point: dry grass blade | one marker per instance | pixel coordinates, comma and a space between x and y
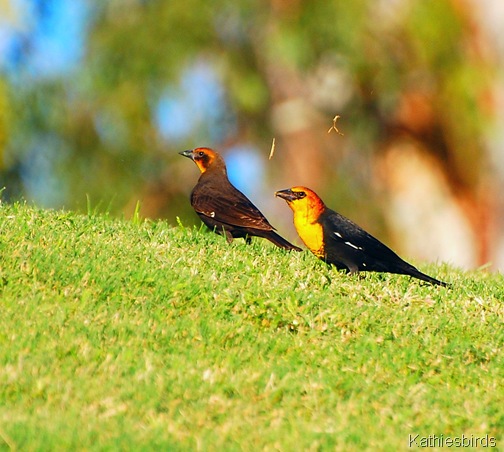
333, 127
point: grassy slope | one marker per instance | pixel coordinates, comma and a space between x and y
128, 335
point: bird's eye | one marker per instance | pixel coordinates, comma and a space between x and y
201, 153
301, 194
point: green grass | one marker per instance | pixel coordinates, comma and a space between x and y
136, 335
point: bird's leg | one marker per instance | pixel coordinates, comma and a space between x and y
353, 269
358, 275
248, 240
228, 235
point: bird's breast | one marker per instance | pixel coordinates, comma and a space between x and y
311, 233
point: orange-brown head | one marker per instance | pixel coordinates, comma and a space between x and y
205, 158
307, 208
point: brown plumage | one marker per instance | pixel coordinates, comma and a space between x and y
222, 207
339, 241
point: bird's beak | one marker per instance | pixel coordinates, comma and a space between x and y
287, 194
189, 153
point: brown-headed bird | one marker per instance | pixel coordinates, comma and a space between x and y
339, 241
222, 207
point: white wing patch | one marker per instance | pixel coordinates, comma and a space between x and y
212, 214
337, 234
353, 246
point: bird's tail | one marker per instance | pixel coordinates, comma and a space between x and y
279, 241
412, 271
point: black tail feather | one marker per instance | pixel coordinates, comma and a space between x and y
412, 271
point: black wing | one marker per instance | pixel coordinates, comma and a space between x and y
348, 244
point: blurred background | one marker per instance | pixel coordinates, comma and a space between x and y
97, 97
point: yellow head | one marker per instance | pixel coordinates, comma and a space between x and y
307, 208
305, 203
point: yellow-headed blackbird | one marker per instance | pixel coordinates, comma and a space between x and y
339, 241
222, 207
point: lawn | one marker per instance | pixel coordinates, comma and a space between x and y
137, 335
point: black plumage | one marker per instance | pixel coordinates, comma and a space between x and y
349, 247
339, 241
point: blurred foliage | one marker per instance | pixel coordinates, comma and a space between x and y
4, 120
412, 65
